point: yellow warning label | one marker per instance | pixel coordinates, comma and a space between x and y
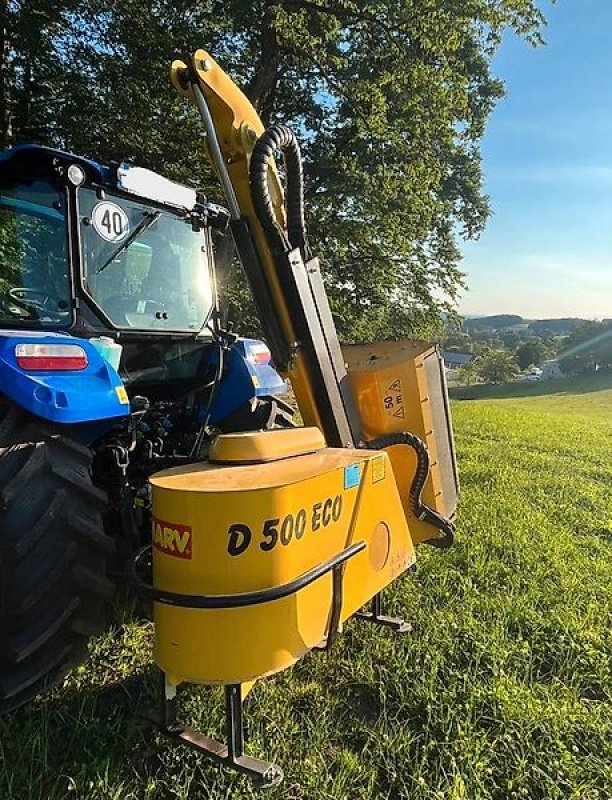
121, 394
256, 382
378, 469
393, 400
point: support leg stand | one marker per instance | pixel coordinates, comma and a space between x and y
231, 755
376, 616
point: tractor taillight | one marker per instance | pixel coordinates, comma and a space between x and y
51, 357
259, 354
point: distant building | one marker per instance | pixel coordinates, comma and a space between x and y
534, 374
454, 361
552, 369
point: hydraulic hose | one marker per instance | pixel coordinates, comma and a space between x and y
421, 511
201, 435
280, 138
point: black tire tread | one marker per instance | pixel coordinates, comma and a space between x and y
54, 552
264, 413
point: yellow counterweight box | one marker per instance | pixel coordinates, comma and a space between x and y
246, 532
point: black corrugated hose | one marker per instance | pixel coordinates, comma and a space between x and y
202, 433
421, 511
280, 138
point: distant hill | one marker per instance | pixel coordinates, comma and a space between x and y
496, 322
555, 327
538, 327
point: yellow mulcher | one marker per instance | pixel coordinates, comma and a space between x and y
262, 552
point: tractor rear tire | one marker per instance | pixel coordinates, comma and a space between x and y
54, 588
262, 413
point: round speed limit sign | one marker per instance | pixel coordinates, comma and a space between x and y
110, 222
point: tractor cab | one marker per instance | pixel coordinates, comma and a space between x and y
119, 251
131, 246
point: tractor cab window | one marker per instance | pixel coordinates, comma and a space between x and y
145, 267
34, 281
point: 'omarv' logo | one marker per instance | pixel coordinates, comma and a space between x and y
172, 539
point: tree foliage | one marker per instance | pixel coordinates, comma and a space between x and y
390, 99
588, 348
531, 353
497, 366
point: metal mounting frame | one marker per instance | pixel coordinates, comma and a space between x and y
230, 753
376, 617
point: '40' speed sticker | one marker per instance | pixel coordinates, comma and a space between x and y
110, 222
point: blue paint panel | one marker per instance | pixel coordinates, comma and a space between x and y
245, 380
101, 172
268, 381
67, 397
352, 476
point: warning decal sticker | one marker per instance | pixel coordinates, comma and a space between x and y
378, 469
352, 476
122, 395
394, 400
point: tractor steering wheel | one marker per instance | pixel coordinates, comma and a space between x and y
34, 301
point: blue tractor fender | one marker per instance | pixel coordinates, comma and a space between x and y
248, 374
91, 393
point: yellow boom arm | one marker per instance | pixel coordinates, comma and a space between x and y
233, 127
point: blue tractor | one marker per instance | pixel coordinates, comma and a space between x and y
113, 364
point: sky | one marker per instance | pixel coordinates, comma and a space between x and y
547, 161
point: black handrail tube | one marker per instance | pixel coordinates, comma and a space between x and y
236, 600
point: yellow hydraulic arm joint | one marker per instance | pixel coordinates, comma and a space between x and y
233, 127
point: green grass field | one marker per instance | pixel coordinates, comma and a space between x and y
504, 690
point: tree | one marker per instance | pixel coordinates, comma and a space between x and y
469, 373
531, 353
390, 100
497, 366
511, 338
458, 341
588, 348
